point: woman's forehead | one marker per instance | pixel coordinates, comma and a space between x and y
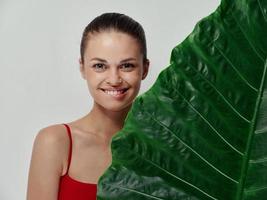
109, 36
113, 45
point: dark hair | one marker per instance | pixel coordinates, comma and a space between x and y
118, 22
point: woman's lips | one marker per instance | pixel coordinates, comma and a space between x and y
118, 93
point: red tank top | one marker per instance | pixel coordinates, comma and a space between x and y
71, 189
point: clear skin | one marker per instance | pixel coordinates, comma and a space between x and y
92, 133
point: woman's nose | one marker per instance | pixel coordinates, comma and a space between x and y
114, 78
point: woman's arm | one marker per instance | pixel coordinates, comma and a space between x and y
46, 164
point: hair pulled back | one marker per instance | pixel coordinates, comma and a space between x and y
118, 22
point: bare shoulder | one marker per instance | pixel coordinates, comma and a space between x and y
51, 135
49, 152
51, 143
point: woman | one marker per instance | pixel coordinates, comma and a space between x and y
69, 158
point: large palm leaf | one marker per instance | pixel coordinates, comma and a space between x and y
200, 132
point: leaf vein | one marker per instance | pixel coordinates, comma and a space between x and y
264, 16
194, 151
249, 42
210, 125
245, 163
260, 160
224, 99
263, 130
132, 190
256, 189
176, 177
235, 69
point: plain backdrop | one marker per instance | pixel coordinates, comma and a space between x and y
40, 82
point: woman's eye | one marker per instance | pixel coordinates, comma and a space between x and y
99, 67
127, 66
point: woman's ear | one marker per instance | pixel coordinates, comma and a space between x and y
82, 70
145, 69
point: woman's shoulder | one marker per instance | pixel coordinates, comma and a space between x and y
52, 138
55, 133
47, 161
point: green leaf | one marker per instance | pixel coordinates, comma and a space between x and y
200, 132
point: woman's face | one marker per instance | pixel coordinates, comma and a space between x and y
113, 68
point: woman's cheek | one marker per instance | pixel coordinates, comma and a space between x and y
134, 78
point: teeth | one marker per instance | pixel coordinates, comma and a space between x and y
113, 92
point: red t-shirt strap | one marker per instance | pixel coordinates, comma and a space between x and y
70, 149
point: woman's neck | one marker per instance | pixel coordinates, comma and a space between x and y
106, 123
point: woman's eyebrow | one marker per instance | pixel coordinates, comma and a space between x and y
103, 60
127, 59
99, 59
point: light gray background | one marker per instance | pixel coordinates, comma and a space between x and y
40, 82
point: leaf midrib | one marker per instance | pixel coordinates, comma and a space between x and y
244, 170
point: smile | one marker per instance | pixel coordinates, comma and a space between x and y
115, 92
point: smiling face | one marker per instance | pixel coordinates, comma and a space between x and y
113, 68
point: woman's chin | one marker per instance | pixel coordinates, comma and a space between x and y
118, 108
114, 105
